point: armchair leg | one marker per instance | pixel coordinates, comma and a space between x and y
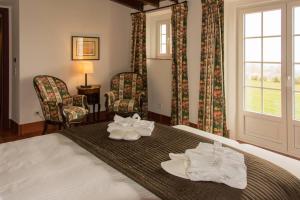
45, 128
59, 126
107, 115
65, 125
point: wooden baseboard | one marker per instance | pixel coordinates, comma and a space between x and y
34, 127
193, 125
159, 118
14, 126
164, 119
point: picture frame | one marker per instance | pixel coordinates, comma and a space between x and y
85, 48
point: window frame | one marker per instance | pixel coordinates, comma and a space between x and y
168, 54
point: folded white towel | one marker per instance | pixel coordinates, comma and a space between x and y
116, 135
121, 135
144, 131
130, 128
210, 163
114, 126
131, 136
143, 127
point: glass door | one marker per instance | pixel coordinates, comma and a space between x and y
262, 77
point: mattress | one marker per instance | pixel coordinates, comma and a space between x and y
53, 167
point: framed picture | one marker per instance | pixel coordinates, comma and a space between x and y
85, 48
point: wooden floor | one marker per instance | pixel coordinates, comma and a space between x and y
9, 136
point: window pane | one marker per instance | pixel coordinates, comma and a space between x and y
272, 76
297, 49
164, 39
253, 25
272, 49
163, 49
272, 102
297, 106
269, 27
253, 74
253, 50
164, 29
297, 77
297, 20
253, 99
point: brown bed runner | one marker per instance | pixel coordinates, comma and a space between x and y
140, 160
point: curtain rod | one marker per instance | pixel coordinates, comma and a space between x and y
160, 8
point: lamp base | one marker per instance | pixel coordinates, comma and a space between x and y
85, 86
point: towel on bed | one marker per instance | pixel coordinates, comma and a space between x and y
130, 128
210, 162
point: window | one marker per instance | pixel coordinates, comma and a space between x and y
164, 47
262, 62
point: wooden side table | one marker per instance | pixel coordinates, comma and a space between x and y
93, 97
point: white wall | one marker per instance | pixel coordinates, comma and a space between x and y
194, 55
46, 27
160, 71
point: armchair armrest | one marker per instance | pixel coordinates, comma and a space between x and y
80, 101
110, 98
53, 111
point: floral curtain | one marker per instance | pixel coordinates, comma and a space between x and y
180, 88
212, 113
138, 51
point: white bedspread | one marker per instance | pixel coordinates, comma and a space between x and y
52, 167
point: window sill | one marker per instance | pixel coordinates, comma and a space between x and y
159, 59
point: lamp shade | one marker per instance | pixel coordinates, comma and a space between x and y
87, 67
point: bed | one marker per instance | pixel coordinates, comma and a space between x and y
59, 166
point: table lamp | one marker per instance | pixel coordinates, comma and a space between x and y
87, 68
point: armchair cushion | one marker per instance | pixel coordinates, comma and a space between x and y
74, 113
125, 106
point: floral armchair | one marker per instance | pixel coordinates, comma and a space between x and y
58, 106
126, 96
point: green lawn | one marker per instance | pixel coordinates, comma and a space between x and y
271, 99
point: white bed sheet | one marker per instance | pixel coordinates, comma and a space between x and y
52, 167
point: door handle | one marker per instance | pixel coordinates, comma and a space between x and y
289, 82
